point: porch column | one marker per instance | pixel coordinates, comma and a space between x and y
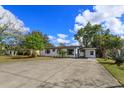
76, 52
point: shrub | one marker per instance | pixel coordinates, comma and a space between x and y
62, 53
118, 56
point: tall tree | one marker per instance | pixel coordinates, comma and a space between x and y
86, 35
47, 42
11, 28
36, 40
102, 39
107, 42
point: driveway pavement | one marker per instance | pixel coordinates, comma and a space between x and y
55, 73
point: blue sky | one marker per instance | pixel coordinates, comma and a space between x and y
57, 21
48, 19
51, 20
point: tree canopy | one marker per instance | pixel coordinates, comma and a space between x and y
86, 35
97, 36
36, 40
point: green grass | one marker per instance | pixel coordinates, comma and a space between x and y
116, 71
22, 58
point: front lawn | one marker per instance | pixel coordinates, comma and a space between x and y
116, 71
22, 58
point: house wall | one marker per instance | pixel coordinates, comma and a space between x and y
55, 53
11, 52
81, 54
52, 53
75, 54
87, 53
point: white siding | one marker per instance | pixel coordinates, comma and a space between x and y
81, 54
88, 55
52, 53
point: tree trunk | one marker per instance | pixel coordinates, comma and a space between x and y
31, 53
12, 53
34, 53
15, 53
103, 51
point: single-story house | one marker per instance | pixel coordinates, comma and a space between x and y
71, 51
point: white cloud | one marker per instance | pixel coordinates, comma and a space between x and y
14, 24
110, 11
51, 37
75, 44
77, 27
114, 25
56, 40
71, 31
60, 40
80, 20
122, 37
62, 36
108, 16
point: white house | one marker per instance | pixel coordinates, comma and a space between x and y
71, 51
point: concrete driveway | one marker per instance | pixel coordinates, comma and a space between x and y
55, 73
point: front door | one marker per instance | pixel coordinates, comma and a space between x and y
81, 53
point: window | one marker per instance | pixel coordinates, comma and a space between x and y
53, 50
70, 51
91, 52
58, 50
47, 51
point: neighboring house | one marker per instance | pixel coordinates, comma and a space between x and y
71, 51
11, 52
